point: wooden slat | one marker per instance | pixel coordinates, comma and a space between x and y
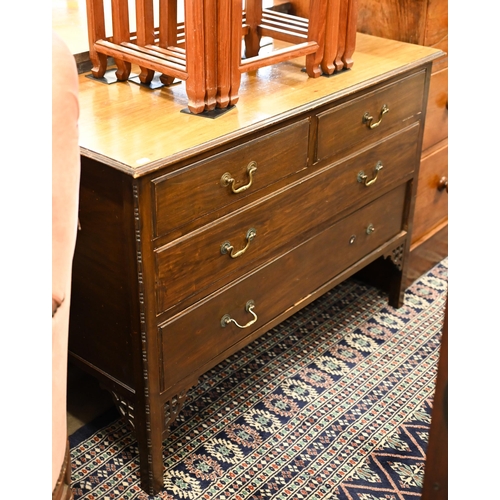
316, 33
121, 33
145, 33
158, 53
286, 19
331, 37
168, 29
279, 55
283, 35
290, 17
195, 40
173, 55
210, 53
132, 56
283, 26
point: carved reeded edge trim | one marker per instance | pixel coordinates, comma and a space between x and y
142, 319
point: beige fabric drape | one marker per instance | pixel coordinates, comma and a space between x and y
65, 185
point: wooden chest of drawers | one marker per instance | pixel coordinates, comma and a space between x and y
199, 235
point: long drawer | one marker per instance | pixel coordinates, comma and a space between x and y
204, 331
264, 230
344, 128
208, 186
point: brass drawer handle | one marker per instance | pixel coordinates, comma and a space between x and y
368, 118
363, 178
226, 247
227, 179
370, 229
249, 306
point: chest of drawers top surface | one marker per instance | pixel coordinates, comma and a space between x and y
138, 130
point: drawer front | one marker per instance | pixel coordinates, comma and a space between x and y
343, 128
197, 190
192, 339
431, 204
189, 265
436, 120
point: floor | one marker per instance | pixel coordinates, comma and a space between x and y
86, 399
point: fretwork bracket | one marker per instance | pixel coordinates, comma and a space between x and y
125, 407
396, 255
172, 408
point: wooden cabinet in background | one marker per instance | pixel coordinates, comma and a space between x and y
422, 22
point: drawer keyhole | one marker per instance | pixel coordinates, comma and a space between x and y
370, 229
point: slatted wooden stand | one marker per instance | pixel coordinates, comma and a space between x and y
306, 36
205, 51
162, 50
327, 37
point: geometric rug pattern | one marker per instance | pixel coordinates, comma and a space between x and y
334, 403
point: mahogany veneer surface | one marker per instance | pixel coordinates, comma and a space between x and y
175, 269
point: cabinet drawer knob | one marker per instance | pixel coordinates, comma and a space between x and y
249, 307
226, 247
368, 118
370, 229
227, 179
363, 178
443, 184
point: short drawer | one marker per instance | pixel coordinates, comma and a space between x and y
431, 204
344, 128
205, 187
191, 340
189, 265
436, 120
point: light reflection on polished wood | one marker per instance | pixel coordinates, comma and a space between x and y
112, 116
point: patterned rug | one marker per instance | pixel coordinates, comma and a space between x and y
334, 403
